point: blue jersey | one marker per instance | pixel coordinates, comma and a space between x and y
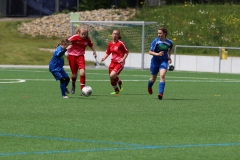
57, 61
157, 45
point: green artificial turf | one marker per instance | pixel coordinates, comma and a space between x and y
198, 117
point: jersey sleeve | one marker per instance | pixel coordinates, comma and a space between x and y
153, 45
108, 48
58, 50
74, 38
124, 48
171, 45
90, 44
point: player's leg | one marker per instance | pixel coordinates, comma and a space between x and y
74, 69
58, 76
67, 79
112, 76
154, 71
161, 85
63, 87
82, 78
81, 66
118, 69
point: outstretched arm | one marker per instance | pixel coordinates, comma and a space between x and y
105, 57
94, 52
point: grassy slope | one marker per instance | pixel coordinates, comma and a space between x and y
199, 25
23, 49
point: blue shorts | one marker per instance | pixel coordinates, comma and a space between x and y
59, 74
155, 68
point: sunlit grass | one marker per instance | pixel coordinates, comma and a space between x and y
198, 25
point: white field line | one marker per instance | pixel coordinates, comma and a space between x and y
94, 80
168, 78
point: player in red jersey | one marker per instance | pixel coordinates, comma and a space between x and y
119, 54
76, 51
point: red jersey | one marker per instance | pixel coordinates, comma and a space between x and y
78, 45
117, 49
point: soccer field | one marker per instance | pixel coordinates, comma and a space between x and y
198, 118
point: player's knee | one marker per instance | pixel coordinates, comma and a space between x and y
74, 75
62, 80
67, 79
152, 79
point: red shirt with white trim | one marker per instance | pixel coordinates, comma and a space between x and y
78, 45
118, 49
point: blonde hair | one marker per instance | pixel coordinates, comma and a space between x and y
82, 29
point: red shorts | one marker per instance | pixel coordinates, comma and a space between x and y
114, 66
76, 63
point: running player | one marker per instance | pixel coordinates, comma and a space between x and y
161, 49
76, 51
119, 53
56, 67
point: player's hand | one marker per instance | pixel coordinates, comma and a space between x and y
161, 53
169, 60
102, 59
94, 54
121, 61
68, 47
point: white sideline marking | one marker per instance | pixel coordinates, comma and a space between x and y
12, 80
168, 78
133, 80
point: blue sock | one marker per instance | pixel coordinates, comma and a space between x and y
63, 89
150, 84
161, 86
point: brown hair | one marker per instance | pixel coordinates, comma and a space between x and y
119, 36
164, 30
64, 41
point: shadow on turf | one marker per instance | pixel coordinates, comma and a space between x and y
179, 99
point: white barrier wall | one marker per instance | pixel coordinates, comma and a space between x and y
183, 62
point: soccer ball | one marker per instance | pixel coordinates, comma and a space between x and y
87, 91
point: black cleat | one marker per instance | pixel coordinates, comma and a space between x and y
160, 96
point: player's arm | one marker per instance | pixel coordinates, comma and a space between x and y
125, 50
161, 53
94, 52
61, 53
169, 55
152, 49
124, 57
108, 52
105, 57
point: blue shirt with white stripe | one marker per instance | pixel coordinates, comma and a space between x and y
158, 45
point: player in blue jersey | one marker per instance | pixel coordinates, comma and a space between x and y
161, 49
56, 67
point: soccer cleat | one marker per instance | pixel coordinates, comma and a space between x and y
150, 90
121, 87
114, 92
67, 91
73, 89
160, 96
64, 96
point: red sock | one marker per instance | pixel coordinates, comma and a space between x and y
82, 81
117, 79
115, 87
73, 80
